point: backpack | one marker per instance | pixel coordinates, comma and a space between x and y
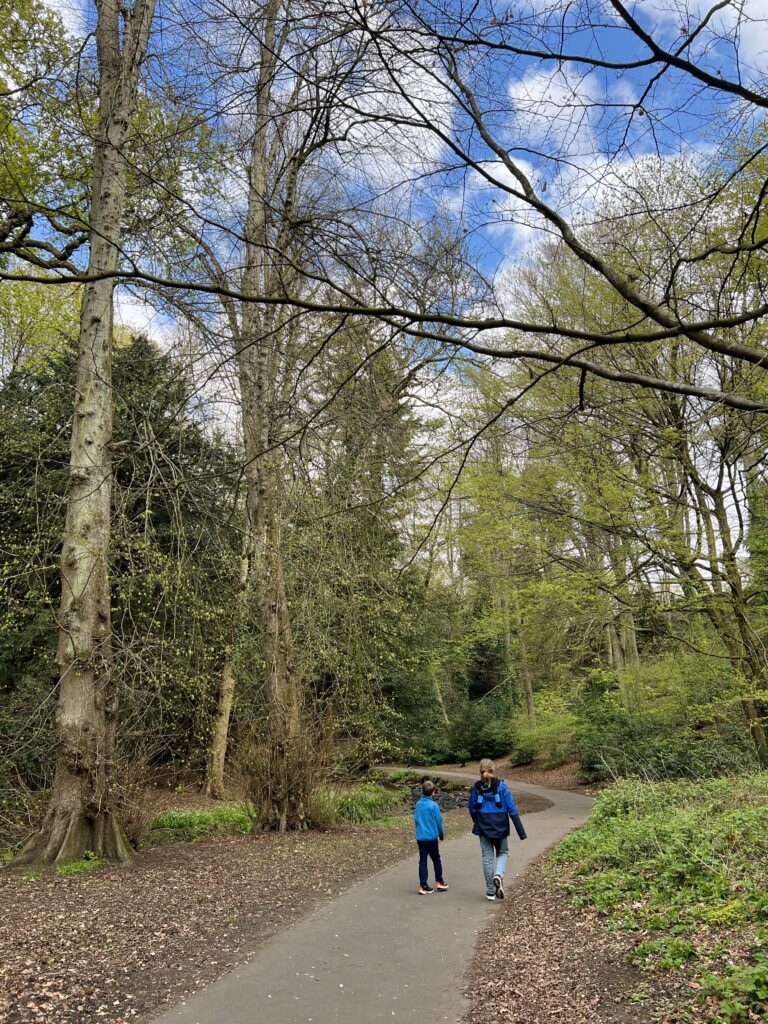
480, 799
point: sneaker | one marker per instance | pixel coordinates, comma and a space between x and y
425, 890
441, 886
490, 896
498, 886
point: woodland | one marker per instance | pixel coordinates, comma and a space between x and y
379, 382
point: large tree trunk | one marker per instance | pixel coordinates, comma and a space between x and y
262, 362
80, 815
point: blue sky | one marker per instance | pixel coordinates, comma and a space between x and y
574, 131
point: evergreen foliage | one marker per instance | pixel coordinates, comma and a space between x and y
172, 562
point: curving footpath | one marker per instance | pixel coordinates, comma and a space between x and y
379, 952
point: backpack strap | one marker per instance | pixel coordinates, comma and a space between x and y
479, 798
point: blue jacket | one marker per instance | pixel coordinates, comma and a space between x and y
491, 808
429, 820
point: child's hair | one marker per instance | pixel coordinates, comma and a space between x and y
486, 765
427, 787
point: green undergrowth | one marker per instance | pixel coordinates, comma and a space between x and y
684, 865
328, 806
335, 805
192, 824
88, 862
457, 823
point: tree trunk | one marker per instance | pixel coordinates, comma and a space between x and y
624, 631
217, 753
726, 607
80, 816
261, 368
617, 652
523, 664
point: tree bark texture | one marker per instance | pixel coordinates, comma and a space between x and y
263, 362
80, 816
524, 666
217, 753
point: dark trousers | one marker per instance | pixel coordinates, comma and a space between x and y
429, 848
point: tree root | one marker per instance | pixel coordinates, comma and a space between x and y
65, 836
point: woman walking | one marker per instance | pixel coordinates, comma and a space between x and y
491, 806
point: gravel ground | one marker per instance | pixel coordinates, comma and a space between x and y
117, 945
541, 962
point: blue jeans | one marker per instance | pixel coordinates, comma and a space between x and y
489, 847
429, 848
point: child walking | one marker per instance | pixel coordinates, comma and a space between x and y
429, 832
491, 806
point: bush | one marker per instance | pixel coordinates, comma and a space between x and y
479, 729
616, 743
667, 720
279, 774
551, 737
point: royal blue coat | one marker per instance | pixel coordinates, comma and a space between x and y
428, 819
491, 808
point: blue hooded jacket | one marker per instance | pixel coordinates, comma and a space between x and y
491, 808
429, 820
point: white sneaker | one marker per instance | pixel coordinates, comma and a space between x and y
498, 886
490, 896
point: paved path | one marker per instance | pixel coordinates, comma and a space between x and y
379, 952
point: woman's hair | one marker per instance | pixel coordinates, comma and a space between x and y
427, 787
486, 765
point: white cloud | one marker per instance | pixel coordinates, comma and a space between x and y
744, 25
554, 109
138, 316
381, 142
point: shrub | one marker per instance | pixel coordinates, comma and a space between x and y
132, 791
278, 773
550, 737
666, 720
479, 729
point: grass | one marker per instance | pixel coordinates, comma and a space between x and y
192, 824
76, 867
356, 805
685, 865
328, 806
